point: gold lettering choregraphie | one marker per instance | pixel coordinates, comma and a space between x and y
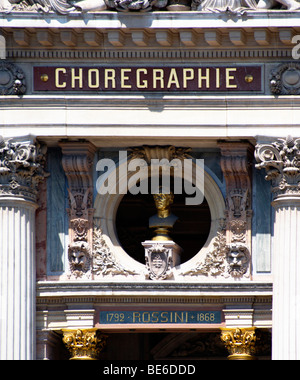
110, 78
93, 78
229, 77
147, 78
58, 82
125, 78
139, 82
77, 77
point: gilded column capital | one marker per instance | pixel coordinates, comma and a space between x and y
84, 344
240, 342
21, 168
281, 160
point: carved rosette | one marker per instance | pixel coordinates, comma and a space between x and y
12, 79
21, 168
281, 160
240, 342
85, 344
77, 163
285, 79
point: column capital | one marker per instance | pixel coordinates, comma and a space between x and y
281, 160
85, 344
21, 168
240, 342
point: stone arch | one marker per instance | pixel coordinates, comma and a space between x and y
106, 206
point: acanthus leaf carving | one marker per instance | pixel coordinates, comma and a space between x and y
281, 160
104, 261
21, 168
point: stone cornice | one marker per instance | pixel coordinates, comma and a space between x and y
150, 36
161, 289
152, 20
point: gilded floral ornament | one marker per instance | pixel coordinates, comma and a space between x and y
240, 342
85, 344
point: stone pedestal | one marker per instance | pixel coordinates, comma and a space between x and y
20, 173
281, 161
161, 257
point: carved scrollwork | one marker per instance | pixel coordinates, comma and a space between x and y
21, 168
104, 261
281, 160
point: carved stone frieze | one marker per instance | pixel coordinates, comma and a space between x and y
12, 79
21, 168
77, 163
281, 160
169, 153
66, 6
84, 344
104, 261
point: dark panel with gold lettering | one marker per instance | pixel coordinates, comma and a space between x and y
155, 317
171, 79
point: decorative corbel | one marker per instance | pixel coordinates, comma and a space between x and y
236, 162
77, 163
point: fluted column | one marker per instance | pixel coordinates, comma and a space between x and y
281, 159
20, 172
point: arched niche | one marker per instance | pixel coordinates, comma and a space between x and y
106, 207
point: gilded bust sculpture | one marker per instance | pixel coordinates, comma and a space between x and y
164, 220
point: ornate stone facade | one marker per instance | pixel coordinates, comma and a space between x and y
281, 160
21, 168
77, 163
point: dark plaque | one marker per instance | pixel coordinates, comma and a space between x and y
160, 317
232, 78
